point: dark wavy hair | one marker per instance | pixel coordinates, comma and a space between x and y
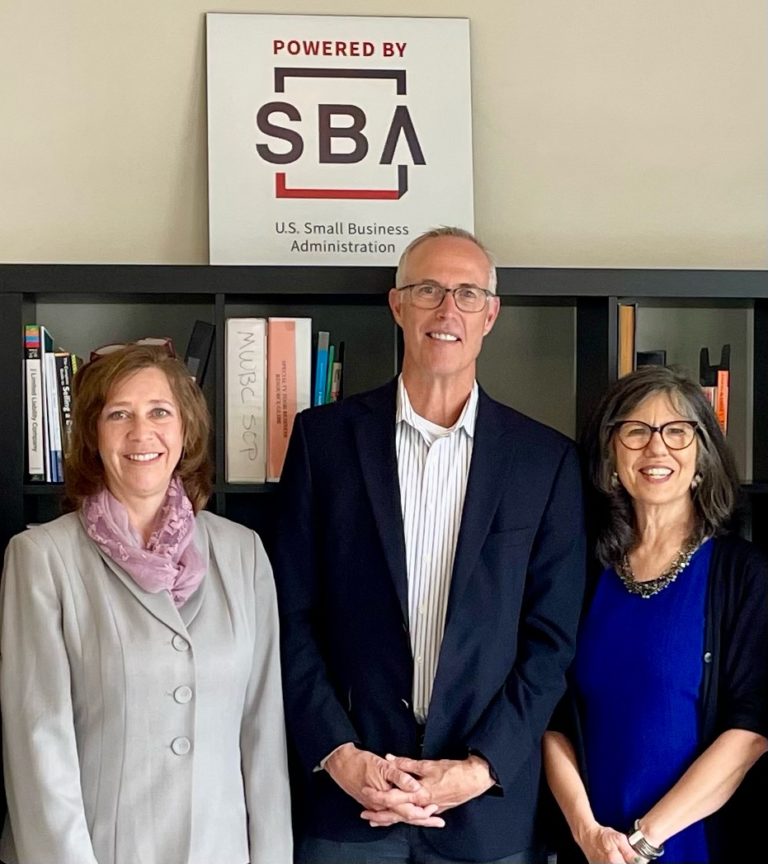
714, 498
83, 469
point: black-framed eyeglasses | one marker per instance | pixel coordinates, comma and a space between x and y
429, 295
164, 342
636, 435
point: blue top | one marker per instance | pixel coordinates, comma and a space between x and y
638, 674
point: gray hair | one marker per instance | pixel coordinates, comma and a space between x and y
715, 496
445, 231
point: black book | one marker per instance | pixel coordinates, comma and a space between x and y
199, 350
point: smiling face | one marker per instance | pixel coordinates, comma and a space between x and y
443, 342
140, 437
656, 475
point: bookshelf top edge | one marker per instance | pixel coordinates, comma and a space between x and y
201, 279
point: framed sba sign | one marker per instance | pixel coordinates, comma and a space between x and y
335, 140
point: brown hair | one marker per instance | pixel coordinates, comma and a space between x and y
83, 468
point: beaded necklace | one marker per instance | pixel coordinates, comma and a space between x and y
653, 586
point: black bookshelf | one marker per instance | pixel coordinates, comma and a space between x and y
173, 296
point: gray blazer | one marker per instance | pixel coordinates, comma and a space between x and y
133, 732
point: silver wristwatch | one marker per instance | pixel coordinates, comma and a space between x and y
639, 842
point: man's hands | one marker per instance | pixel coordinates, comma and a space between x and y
366, 776
443, 784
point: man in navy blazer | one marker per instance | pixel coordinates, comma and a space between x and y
418, 683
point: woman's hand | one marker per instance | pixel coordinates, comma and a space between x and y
599, 843
603, 845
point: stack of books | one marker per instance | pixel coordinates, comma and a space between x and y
269, 379
48, 391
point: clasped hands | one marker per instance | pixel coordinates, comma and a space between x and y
399, 789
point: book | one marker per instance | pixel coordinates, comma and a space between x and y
721, 398
54, 472
65, 372
321, 367
199, 350
245, 399
35, 403
626, 340
337, 374
329, 374
289, 372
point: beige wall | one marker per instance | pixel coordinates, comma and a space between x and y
607, 132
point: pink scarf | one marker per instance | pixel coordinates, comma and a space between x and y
169, 562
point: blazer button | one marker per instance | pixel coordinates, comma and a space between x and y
179, 643
181, 746
182, 694
708, 657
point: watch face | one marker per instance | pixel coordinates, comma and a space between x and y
637, 839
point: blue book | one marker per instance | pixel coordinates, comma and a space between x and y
329, 375
321, 367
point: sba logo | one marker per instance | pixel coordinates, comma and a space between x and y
401, 125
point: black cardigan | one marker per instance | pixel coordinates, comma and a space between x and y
734, 695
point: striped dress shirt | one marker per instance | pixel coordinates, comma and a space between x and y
432, 466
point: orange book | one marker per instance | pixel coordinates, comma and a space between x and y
626, 342
721, 398
289, 374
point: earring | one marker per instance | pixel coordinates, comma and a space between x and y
697, 478
615, 480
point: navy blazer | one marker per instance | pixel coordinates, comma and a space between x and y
513, 610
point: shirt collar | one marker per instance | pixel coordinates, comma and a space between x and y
405, 413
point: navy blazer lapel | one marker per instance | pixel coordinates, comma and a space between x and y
374, 431
492, 453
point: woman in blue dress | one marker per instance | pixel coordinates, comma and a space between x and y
668, 704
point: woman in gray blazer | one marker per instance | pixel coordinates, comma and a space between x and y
140, 679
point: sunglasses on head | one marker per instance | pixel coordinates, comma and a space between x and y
157, 341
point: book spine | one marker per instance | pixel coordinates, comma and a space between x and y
35, 403
303, 366
721, 398
626, 346
64, 376
52, 413
46, 346
245, 374
321, 367
329, 375
337, 374
289, 374
199, 350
